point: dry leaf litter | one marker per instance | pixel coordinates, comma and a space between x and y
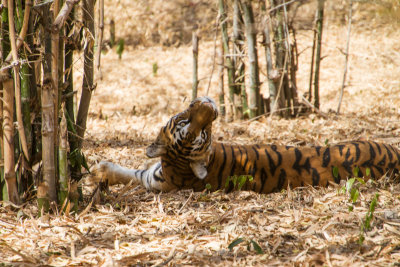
300, 227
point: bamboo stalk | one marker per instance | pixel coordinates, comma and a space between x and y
320, 19
47, 188
5, 49
112, 33
24, 29
11, 192
55, 34
8, 141
26, 178
270, 70
238, 40
3, 187
255, 105
221, 93
17, 84
228, 60
195, 82
100, 39
312, 58
88, 86
346, 56
63, 161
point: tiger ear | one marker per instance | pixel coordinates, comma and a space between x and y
199, 168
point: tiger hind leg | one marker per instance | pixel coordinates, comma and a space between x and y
151, 178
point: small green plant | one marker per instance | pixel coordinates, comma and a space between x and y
120, 48
352, 187
366, 225
208, 187
249, 242
155, 69
238, 181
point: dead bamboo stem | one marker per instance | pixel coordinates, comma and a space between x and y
346, 56
63, 14
17, 84
254, 93
320, 19
195, 82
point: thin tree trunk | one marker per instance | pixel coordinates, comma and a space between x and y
8, 115
17, 84
3, 187
346, 56
26, 179
112, 33
100, 39
69, 77
270, 70
255, 103
312, 57
320, 19
47, 188
63, 161
55, 34
221, 93
228, 61
239, 65
281, 58
87, 87
8, 140
5, 76
195, 81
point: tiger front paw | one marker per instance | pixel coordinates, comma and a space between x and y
102, 172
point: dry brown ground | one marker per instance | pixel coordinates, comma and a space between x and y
305, 226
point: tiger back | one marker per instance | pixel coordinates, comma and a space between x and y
190, 160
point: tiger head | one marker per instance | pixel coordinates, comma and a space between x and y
188, 135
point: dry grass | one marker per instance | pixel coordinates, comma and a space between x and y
303, 227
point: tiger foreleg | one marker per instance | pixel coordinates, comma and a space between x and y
151, 178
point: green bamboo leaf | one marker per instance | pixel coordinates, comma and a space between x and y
120, 48
227, 182
241, 181
349, 184
354, 194
335, 172
235, 242
361, 180
155, 69
368, 172
356, 170
257, 247
208, 186
374, 202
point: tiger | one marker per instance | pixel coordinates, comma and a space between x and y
191, 160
